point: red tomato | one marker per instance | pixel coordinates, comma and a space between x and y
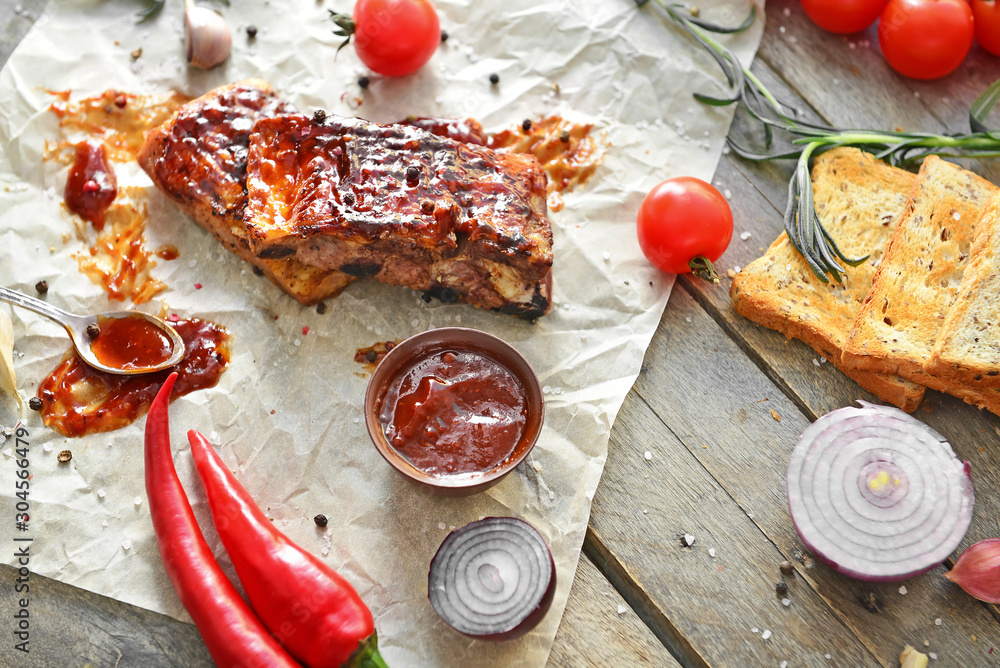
395, 37
683, 218
843, 16
926, 39
987, 15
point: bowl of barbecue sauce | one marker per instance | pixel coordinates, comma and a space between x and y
454, 409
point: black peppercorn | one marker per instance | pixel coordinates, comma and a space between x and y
427, 206
781, 589
494, 78
364, 82
564, 136
412, 173
786, 568
93, 330
251, 31
321, 308
444, 37
371, 356
258, 271
348, 198
64, 456
319, 116
41, 287
320, 520
35, 404
526, 125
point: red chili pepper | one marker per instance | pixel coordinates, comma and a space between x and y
232, 633
312, 610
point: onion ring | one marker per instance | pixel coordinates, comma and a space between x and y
493, 579
876, 494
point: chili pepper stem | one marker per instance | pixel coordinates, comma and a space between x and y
702, 267
367, 655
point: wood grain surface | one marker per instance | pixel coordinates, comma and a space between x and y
718, 406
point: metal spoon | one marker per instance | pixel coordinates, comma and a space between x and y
76, 327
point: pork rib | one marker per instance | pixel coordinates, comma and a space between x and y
198, 158
458, 221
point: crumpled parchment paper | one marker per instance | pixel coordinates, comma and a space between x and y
287, 415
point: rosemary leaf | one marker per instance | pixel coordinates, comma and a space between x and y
982, 106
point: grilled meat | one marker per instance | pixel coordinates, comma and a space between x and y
458, 221
198, 158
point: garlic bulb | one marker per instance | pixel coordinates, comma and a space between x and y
207, 37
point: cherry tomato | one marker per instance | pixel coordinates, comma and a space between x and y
395, 37
843, 16
987, 13
926, 39
681, 219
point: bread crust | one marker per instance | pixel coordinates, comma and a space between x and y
860, 200
919, 277
967, 351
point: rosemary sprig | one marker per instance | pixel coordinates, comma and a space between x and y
807, 139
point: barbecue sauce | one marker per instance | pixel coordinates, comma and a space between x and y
78, 399
455, 412
130, 343
92, 185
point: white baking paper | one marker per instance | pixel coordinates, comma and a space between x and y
287, 415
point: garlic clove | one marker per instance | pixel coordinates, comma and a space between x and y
207, 36
977, 571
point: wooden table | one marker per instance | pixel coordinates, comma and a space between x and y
719, 405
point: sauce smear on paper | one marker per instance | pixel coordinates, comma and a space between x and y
91, 186
77, 399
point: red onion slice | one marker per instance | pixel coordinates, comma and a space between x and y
493, 579
878, 495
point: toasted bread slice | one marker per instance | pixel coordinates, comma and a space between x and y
198, 159
920, 275
967, 351
859, 200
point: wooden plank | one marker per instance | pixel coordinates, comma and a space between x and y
717, 404
706, 608
71, 626
598, 628
68, 624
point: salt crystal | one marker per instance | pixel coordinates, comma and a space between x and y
621, 609
297, 343
711, 552
737, 269
537, 466
765, 635
645, 512
827, 657
127, 544
552, 495
745, 235
956, 216
192, 264
938, 621
688, 539
606, 256
357, 420
750, 515
47, 447
836, 81
786, 12
442, 526
754, 629
137, 501
648, 455
786, 602
793, 39
822, 360
9, 452
788, 267
728, 193
104, 524
784, 664
933, 656
726, 150
902, 590
688, 319
815, 362
100, 493
782, 30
